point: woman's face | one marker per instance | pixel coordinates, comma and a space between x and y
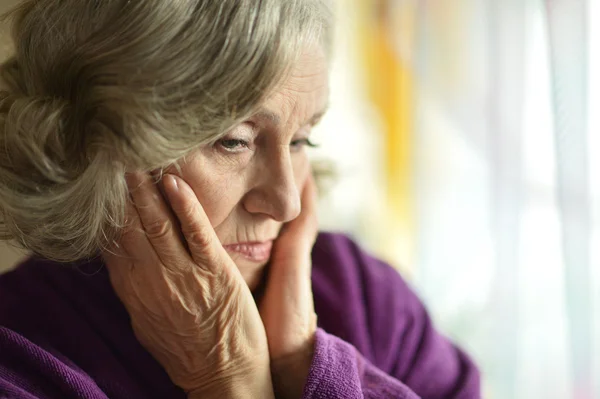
250, 181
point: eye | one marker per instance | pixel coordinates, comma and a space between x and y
232, 145
297, 145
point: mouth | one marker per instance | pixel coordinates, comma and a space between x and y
253, 251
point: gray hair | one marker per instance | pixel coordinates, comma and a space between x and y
96, 88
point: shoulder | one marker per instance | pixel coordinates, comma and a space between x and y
62, 327
366, 303
38, 286
360, 298
339, 258
23, 291
33, 317
48, 302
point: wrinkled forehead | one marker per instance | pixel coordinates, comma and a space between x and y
303, 96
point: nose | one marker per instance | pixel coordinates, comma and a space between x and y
275, 193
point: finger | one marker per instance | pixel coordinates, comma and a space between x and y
310, 197
122, 255
131, 236
292, 250
157, 221
202, 241
287, 307
119, 272
304, 228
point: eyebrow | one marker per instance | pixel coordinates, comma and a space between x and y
272, 117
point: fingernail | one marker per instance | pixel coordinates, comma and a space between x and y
174, 182
171, 187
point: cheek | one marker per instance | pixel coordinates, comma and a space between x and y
219, 192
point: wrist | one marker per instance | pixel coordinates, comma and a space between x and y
289, 374
256, 384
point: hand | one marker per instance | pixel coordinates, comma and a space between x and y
287, 308
189, 305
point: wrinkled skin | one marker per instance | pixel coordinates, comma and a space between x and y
189, 298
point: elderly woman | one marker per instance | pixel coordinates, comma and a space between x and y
153, 158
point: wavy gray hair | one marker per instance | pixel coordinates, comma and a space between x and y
99, 87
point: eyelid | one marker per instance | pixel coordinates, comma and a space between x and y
238, 133
243, 134
306, 141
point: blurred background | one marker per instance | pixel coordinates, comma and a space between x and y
468, 140
466, 136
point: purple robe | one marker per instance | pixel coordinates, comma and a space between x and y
65, 334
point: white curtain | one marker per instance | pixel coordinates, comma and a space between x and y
508, 188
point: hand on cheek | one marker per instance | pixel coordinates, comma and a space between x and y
188, 304
287, 308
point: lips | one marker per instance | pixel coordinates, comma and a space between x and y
253, 251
